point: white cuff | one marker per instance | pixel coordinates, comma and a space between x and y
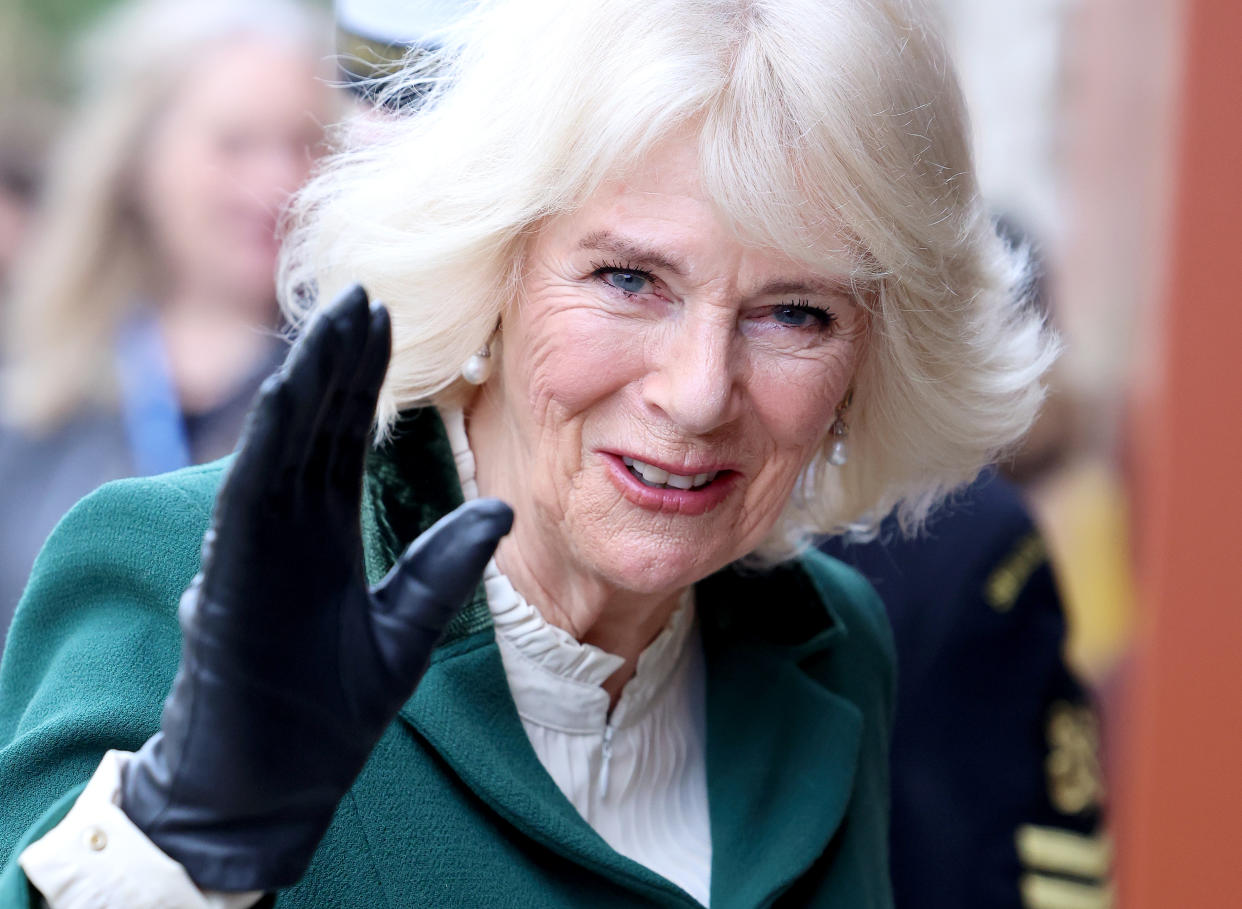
96, 858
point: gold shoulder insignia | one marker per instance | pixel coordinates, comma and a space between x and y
1064, 852
1007, 580
1075, 779
1039, 891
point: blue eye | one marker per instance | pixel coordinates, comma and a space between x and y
631, 282
803, 315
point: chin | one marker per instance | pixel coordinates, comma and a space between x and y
652, 566
636, 549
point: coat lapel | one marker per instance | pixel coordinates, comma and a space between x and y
782, 750
465, 712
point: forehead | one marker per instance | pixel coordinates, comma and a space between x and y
662, 195
249, 78
661, 205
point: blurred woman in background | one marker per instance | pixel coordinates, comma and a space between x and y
144, 316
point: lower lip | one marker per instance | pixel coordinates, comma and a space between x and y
689, 502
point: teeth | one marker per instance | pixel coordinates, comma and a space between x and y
653, 475
656, 476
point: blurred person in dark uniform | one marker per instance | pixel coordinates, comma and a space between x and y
144, 315
997, 790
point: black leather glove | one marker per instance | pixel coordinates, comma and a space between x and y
291, 668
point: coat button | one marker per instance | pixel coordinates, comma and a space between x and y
95, 839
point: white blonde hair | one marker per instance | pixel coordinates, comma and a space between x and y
831, 130
91, 260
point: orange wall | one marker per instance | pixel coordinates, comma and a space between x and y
1180, 814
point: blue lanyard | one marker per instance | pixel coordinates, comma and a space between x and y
149, 406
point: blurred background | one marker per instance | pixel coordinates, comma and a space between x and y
148, 153
1107, 136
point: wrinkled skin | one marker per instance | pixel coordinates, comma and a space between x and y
646, 327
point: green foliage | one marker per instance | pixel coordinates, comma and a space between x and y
62, 19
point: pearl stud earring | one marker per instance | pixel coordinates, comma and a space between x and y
478, 368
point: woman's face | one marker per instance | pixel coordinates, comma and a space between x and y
654, 351
236, 140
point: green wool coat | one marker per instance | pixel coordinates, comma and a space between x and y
453, 808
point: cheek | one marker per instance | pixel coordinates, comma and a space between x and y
793, 405
796, 402
577, 358
178, 192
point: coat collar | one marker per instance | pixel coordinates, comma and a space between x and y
781, 747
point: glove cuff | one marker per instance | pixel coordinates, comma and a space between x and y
238, 853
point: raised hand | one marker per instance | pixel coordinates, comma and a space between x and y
291, 667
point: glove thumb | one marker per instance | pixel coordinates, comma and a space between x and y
415, 601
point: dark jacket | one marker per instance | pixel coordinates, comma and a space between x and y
454, 808
996, 779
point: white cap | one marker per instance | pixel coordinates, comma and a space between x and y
398, 22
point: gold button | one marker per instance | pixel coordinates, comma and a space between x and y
95, 839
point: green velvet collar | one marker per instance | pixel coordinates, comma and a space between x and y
411, 482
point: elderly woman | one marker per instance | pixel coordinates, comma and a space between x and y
682, 283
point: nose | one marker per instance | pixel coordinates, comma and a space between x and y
692, 375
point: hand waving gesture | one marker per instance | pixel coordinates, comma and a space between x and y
291, 667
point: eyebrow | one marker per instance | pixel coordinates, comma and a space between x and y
606, 241
636, 254
811, 287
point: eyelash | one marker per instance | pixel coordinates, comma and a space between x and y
599, 269
825, 318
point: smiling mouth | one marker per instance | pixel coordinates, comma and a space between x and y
658, 478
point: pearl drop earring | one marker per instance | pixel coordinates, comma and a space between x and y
839, 454
840, 451
478, 368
